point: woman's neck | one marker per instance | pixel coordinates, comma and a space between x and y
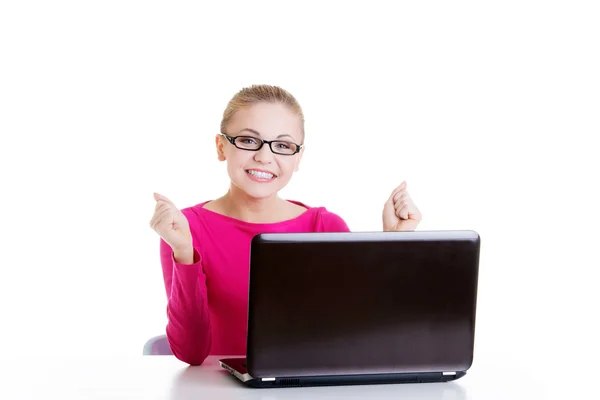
237, 204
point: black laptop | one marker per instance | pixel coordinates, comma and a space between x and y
360, 308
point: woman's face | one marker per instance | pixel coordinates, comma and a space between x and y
261, 173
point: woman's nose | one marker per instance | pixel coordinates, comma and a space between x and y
264, 155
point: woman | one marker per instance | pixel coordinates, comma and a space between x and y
205, 248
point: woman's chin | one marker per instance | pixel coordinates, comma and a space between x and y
258, 191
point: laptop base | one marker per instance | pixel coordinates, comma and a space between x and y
236, 366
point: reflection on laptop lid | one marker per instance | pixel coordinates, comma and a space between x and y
368, 307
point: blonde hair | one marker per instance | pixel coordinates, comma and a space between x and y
258, 94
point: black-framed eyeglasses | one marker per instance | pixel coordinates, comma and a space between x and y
252, 143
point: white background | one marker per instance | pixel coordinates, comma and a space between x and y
490, 111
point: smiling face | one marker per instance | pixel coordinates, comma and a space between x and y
261, 173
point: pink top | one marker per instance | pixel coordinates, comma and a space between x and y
208, 300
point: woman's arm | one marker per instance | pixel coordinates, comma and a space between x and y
188, 326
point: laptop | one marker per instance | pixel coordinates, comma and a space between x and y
359, 308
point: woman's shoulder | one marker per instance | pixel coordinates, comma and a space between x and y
325, 219
320, 218
194, 210
332, 222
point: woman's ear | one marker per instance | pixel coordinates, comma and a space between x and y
220, 144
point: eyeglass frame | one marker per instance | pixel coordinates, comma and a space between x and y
232, 139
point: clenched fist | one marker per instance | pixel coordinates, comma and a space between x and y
170, 223
400, 212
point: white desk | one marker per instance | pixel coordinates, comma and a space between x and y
164, 377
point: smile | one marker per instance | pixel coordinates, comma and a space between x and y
261, 176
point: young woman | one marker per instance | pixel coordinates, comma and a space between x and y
204, 249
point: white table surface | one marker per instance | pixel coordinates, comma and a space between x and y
165, 377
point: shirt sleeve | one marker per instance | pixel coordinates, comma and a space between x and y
188, 326
331, 222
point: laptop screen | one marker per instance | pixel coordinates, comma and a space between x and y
356, 303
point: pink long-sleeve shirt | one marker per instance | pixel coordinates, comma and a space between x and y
208, 300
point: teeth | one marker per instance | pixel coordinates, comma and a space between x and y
260, 174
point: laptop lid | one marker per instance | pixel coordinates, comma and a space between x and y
362, 303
